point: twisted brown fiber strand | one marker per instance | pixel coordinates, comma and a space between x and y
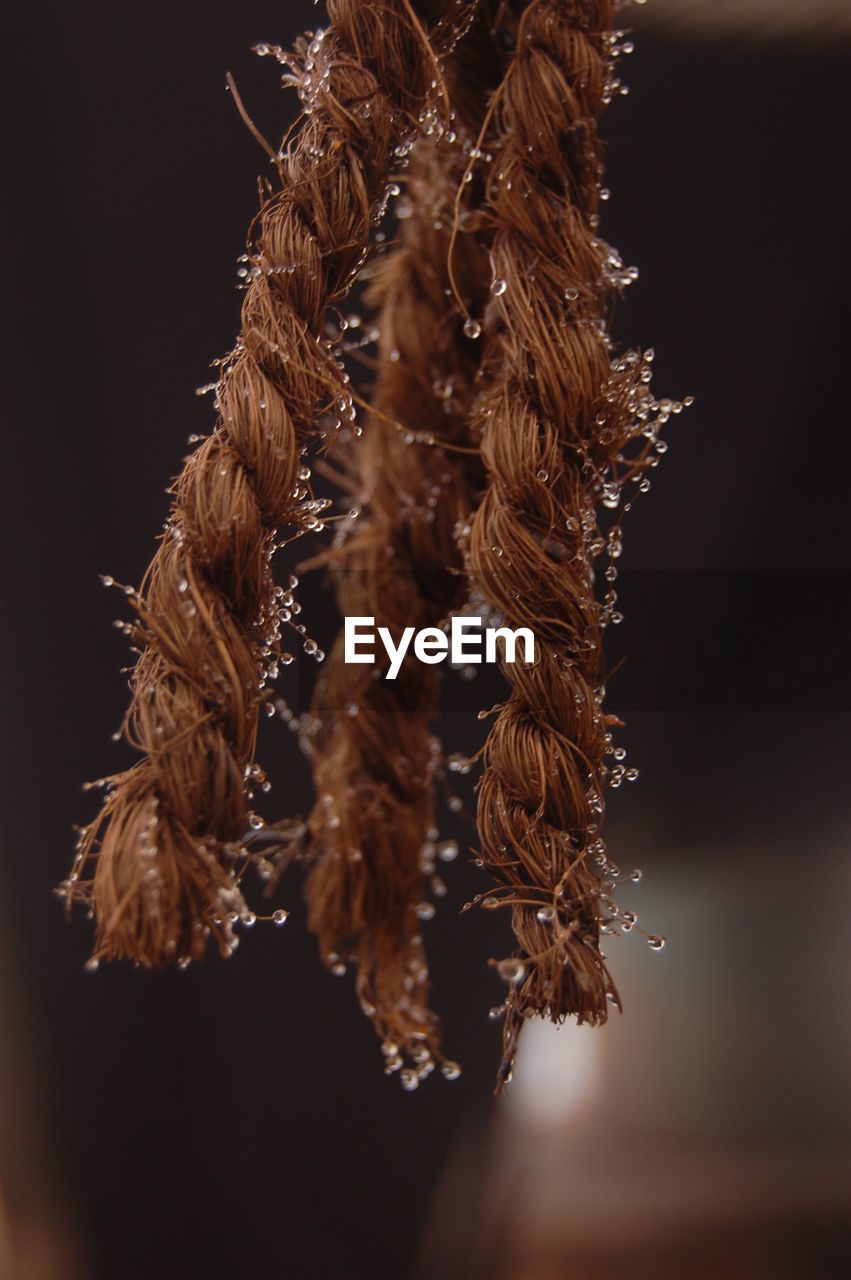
165, 844
555, 420
372, 752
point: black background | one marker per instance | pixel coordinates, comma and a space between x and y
233, 1120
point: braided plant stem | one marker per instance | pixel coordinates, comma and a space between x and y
557, 416
373, 755
165, 847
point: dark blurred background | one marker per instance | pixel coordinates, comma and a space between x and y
233, 1121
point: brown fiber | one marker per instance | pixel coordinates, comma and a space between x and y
558, 420
504, 442
165, 849
373, 752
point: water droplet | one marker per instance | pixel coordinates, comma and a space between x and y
543, 475
545, 915
498, 288
447, 850
279, 916
655, 942
511, 970
472, 329
450, 1070
409, 1080
424, 911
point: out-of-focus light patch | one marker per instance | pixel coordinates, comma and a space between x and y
558, 1072
773, 19
5, 1243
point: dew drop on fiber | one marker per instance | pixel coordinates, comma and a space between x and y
511, 970
409, 1080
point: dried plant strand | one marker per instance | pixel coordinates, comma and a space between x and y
564, 428
373, 754
167, 845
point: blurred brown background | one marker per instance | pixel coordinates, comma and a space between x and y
232, 1121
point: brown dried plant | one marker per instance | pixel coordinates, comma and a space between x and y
164, 854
